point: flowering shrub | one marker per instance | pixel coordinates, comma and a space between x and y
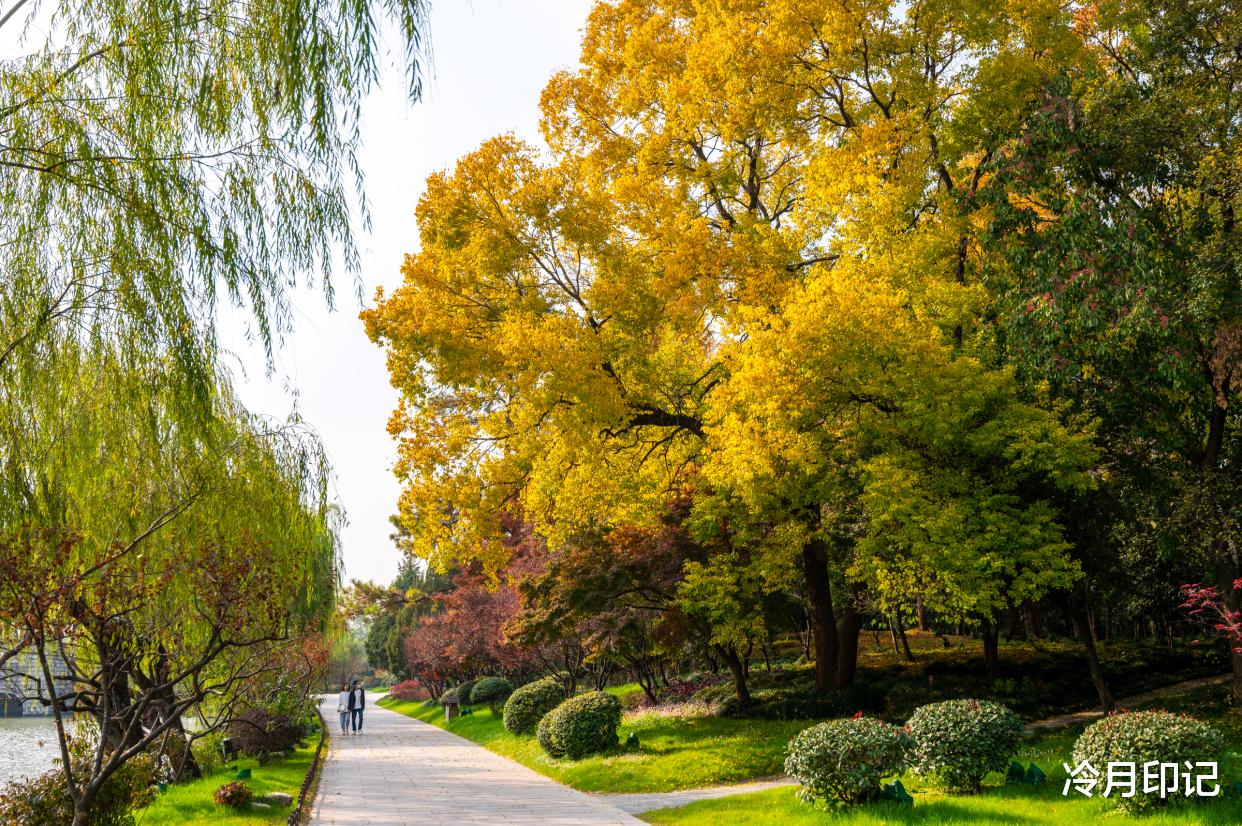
235, 794
581, 725
845, 761
409, 691
957, 742
527, 705
1145, 736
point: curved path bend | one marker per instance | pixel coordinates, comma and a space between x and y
404, 772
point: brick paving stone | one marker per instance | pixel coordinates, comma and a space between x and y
401, 771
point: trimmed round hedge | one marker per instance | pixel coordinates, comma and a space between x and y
582, 725
491, 690
846, 761
527, 704
957, 742
461, 691
1140, 737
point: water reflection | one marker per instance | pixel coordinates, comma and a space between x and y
27, 747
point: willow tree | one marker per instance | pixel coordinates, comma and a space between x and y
157, 154
559, 336
176, 566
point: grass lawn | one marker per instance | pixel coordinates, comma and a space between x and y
992, 807
188, 804
997, 804
674, 752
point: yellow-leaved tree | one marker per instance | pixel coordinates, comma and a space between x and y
739, 199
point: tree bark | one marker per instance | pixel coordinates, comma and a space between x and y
820, 610
1078, 619
905, 642
990, 632
851, 626
736, 667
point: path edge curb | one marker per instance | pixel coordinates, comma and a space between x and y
312, 774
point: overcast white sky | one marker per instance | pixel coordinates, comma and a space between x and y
491, 60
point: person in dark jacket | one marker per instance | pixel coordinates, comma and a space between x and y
357, 703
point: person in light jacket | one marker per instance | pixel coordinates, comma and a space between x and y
343, 706
357, 703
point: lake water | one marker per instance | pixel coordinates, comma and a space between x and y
27, 747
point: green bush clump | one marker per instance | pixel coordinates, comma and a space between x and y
235, 794
492, 691
957, 742
582, 725
1141, 737
45, 800
527, 705
264, 732
461, 691
845, 761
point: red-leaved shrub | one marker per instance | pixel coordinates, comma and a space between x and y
409, 691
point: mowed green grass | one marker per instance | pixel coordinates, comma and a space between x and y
674, 752
190, 804
1043, 805
1014, 806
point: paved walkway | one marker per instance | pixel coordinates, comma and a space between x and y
1134, 701
404, 772
638, 803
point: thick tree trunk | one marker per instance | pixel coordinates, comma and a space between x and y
819, 608
738, 669
920, 611
990, 632
1078, 619
851, 626
1030, 619
905, 642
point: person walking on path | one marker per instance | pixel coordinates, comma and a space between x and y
343, 705
357, 703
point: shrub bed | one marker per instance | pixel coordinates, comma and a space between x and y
957, 742
846, 761
1142, 737
528, 704
582, 725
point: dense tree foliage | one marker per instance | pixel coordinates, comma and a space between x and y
923, 307
158, 158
